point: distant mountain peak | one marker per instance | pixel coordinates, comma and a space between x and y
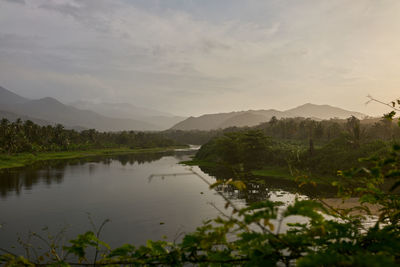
313, 105
310, 110
255, 117
49, 100
10, 98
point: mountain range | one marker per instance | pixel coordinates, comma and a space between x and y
160, 120
255, 117
123, 116
51, 111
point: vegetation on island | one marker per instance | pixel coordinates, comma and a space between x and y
306, 148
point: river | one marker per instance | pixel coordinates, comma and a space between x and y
145, 196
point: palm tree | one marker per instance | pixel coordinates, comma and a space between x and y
355, 133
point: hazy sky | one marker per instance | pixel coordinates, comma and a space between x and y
200, 56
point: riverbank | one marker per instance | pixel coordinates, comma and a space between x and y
25, 159
277, 172
199, 163
284, 173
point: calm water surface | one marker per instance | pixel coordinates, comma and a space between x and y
146, 196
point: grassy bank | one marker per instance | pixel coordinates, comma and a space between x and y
24, 159
270, 171
276, 172
284, 173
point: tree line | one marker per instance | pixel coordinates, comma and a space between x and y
26, 136
327, 130
253, 149
302, 130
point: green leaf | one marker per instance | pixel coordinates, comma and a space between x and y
238, 184
122, 251
307, 208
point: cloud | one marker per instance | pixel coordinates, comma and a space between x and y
21, 2
172, 54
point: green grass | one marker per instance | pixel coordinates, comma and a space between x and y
284, 173
24, 159
265, 172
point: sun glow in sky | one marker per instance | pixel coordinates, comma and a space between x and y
191, 57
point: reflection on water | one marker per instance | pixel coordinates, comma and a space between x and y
17, 181
50, 172
260, 188
59, 193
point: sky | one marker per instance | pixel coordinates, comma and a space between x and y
191, 57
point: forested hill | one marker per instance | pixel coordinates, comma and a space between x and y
255, 117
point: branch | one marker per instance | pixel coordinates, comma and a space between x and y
372, 99
8, 252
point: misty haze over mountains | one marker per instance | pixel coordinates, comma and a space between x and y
51, 111
255, 117
161, 120
124, 116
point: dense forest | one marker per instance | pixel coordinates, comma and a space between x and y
301, 130
26, 136
19, 136
301, 146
